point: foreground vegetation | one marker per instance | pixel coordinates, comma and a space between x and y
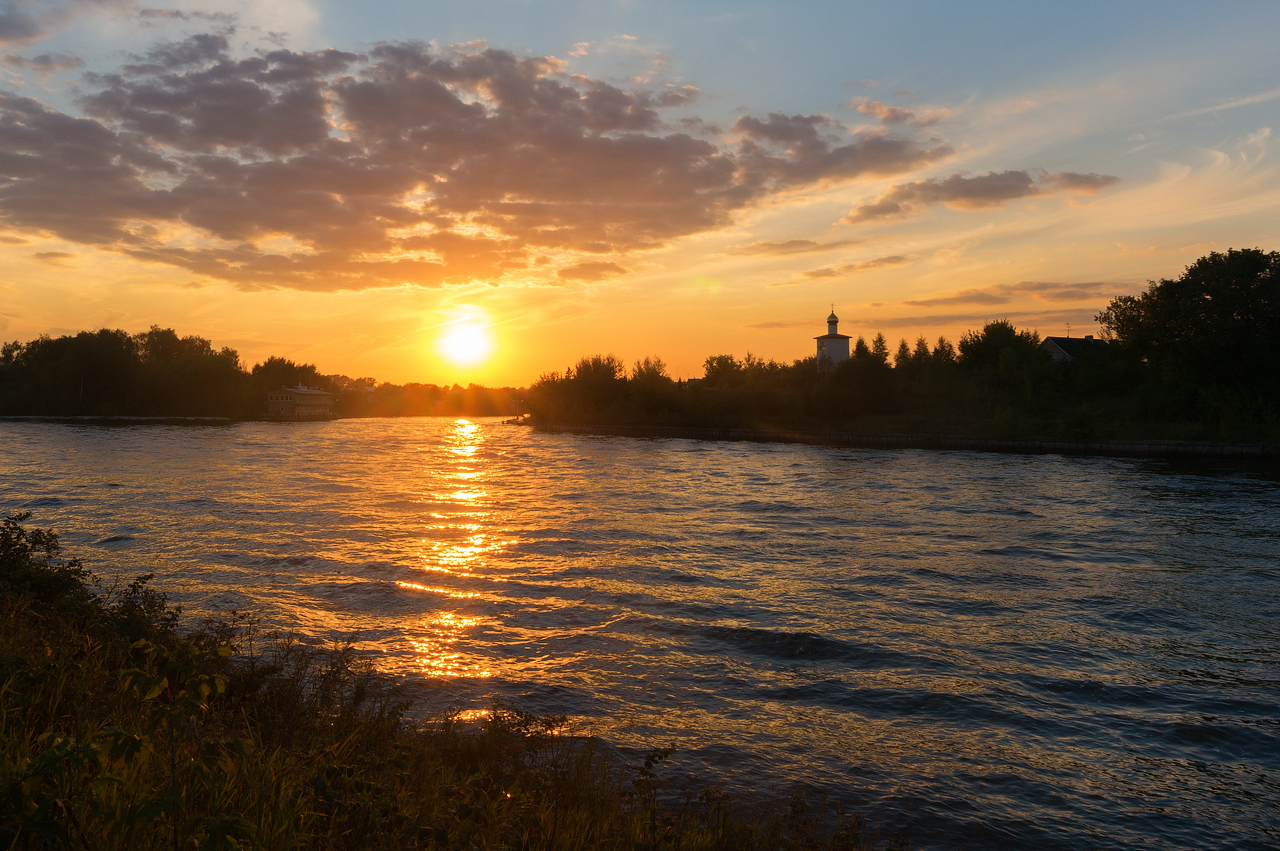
157, 373
1192, 358
118, 730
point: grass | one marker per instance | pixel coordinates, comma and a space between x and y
120, 730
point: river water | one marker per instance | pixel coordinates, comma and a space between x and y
982, 651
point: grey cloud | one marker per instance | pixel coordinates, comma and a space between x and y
44, 63
1048, 291
401, 165
792, 246
971, 193
1041, 290
175, 15
965, 297
1085, 184
810, 158
74, 177
55, 258
25, 21
1079, 316
674, 96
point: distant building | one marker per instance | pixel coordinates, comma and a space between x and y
300, 403
833, 348
1067, 349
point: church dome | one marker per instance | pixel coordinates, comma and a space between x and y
832, 319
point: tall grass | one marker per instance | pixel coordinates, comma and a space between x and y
118, 730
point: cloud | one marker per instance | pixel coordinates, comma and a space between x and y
897, 114
792, 246
330, 170
591, 271
1079, 316
810, 158
838, 271
932, 116
766, 326
194, 15
53, 258
1083, 184
1261, 97
973, 193
1050, 291
965, 297
25, 21
885, 114
44, 63
1041, 290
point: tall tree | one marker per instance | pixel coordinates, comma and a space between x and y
1211, 333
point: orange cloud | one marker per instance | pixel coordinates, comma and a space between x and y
898, 114
792, 246
877, 263
591, 271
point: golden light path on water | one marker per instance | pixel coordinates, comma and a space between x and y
462, 485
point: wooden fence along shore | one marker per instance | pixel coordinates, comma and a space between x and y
1015, 445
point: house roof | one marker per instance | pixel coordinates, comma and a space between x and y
307, 391
1074, 347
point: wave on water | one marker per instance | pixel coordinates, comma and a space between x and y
1057, 653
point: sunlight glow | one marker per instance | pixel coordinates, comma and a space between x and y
466, 344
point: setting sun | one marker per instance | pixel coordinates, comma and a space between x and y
466, 345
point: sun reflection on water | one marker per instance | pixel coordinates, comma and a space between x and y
436, 653
458, 540
462, 595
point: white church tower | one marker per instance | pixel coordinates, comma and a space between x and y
833, 348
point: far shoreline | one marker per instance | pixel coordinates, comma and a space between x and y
1126, 448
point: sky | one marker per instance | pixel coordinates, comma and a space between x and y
487, 191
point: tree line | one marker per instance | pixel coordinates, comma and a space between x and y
159, 374
1195, 357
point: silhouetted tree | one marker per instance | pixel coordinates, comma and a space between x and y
1209, 337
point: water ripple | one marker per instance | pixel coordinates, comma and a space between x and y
987, 651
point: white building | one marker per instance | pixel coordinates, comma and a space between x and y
833, 348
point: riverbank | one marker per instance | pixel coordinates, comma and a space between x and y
943, 442
119, 729
91, 420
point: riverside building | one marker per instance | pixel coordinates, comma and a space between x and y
833, 347
300, 403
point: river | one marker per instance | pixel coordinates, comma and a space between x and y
979, 650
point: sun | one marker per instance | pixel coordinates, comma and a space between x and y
466, 345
